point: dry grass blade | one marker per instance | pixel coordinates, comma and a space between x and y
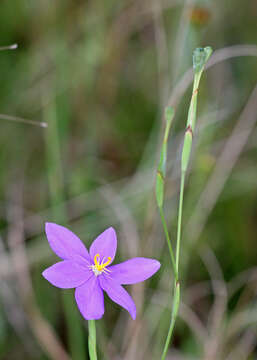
14, 311
9, 47
212, 345
22, 120
41, 329
244, 347
224, 166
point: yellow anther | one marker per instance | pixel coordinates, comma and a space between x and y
107, 262
100, 267
96, 261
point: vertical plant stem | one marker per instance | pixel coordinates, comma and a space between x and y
165, 228
200, 57
92, 340
159, 189
174, 311
181, 198
176, 292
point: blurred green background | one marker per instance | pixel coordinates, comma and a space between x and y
100, 73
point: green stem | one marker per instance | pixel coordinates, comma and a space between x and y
174, 313
165, 228
176, 298
181, 197
200, 57
92, 340
160, 179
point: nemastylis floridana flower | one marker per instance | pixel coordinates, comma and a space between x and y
90, 272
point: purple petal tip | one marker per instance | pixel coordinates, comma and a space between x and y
158, 264
47, 226
111, 229
133, 315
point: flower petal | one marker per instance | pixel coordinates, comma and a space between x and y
105, 245
118, 294
134, 270
65, 243
67, 274
90, 299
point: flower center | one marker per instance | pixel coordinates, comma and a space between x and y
98, 267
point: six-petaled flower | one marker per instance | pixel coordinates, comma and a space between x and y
90, 272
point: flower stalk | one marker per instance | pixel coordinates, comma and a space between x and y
92, 340
200, 58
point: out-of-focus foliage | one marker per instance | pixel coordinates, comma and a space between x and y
100, 74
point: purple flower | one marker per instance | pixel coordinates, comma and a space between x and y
90, 272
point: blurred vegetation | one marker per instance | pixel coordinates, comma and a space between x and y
100, 73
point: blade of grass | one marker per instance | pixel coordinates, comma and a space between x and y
54, 170
22, 120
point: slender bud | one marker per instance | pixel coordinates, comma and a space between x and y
169, 115
159, 188
200, 58
186, 149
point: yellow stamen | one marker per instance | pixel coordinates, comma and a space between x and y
98, 267
96, 261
